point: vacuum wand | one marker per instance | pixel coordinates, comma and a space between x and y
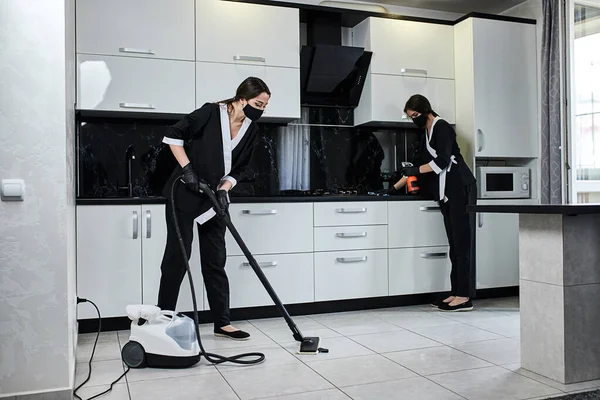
308, 344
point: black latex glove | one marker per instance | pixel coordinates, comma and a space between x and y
223, 199
410, 171
190, 178
391, 190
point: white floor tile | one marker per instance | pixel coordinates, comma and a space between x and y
118, 392
436, 360
456, 334
194, 387
499, 352
103, 373
104, 351
493, 383
362, 327
91, 337
360, 370
508, 326
574, 387
412, 388
330, 394
415, 320
394, 341
283, 334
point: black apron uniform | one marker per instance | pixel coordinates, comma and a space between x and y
205, 135
453, 185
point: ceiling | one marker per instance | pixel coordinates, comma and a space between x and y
457, 6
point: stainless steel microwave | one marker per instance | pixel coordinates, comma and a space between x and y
504, 182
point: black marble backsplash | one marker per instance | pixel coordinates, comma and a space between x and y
320, 152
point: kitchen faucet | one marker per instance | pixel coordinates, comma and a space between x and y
129, 157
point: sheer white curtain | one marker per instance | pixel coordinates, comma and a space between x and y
293, 155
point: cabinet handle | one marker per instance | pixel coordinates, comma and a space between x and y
413, 71
348, 260
135, 225
434, 255
479, 140
137, 105
249, 58
351, 210
148, 224
480, 218
260, 212
429, 208
351, 235
262, 264
136, 51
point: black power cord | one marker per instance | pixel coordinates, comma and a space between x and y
79, 300
211, 357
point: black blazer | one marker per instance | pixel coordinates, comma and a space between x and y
443, 141
203, 142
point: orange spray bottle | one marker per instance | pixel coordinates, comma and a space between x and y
411, 181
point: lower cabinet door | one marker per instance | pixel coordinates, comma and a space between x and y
351, 274
291, 275
109, 261
419, 270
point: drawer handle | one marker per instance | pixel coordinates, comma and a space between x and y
434, 255
480, 223
479, 140
429, 208
137, 105
262, 265
135, 225
249, 58
351, 210
348, 260
260, 212
413, 71
135, 51
148, 224
351, 235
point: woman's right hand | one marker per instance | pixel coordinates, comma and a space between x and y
190, 178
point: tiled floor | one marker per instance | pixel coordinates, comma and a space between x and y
401, 353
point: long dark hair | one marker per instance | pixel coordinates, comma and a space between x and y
420, 104
250, 88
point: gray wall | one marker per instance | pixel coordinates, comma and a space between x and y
37, 236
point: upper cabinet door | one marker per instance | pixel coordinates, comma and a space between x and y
136, 28
407, 47
232, 32
505, 80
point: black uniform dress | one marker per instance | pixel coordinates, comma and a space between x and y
205, 135
453, 185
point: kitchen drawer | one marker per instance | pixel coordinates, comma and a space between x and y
351, 274
135, 84
226, 33
350, 238
350, 213
415, 224
219, 81
272, 228
136, 28
291, 275
422, 270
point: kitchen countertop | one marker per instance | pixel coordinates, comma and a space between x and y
253, 199
559, 209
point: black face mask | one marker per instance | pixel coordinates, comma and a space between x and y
420, 121
251, 112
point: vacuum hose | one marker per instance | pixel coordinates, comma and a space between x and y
211, 357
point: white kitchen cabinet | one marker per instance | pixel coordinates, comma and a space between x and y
291, 275
136, 28
397, 52
384, 97
242, 33
351, 274
350, 213
135, 84
496, 81
215, 82
109, 259
415, 224
351, 237
272, 228
419, 270
497, 250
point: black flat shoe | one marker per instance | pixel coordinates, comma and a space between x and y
437, 303
467, 306
235, 335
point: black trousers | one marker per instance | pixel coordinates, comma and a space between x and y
460, 230
212, 257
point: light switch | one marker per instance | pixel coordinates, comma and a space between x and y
13, 189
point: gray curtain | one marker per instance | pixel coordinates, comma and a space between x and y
293, 152
551, 159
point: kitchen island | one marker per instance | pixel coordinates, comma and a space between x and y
559, 276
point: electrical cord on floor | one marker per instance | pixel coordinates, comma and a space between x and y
79, 300
211, 357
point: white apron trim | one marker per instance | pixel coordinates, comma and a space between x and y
441, 173
174, 142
